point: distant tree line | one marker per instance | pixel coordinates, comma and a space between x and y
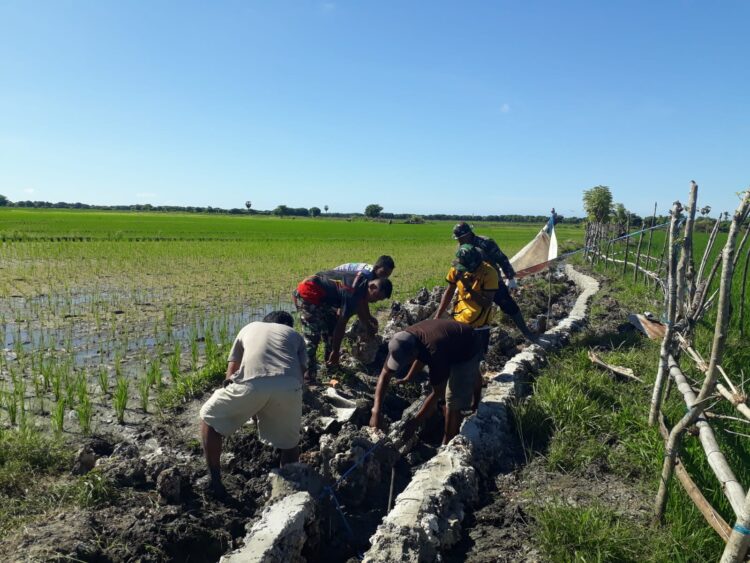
374, 211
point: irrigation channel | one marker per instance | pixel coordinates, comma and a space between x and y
334, 504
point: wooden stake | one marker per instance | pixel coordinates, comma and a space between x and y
709, 383
650, 238
686, 256
742, 295
713, 518
627, 246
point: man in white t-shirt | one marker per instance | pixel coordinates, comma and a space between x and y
263, 380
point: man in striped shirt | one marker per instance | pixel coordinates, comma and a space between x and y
383, 268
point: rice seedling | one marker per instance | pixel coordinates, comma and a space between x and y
46, 368
81, 383
56, 379
57, 416
153, 374
102, 378
120, 398
118, 365
70, 384
174, 362
39, 392
85, 412
11, 407
194, 349
144, 388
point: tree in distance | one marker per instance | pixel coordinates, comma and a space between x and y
3, 201
373, 210
248, 204
281, 210
314, 211
326, 208
598, 203
621, 214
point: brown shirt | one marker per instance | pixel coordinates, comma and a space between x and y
441, 343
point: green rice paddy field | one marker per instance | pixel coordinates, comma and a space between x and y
89, 299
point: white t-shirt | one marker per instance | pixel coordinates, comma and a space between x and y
265, 349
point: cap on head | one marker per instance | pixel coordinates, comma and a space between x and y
467, 259
402, 349
461, 229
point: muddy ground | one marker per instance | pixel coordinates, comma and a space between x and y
159, 510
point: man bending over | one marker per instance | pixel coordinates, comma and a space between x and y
263, 380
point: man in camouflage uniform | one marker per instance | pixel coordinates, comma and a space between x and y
325, 302
492, 254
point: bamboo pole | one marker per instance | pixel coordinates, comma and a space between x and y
729, 483
742, 295
586, 243
627, 245
742, 243
712, 517
661, 257
650, 238
709, 248
656, 396
623, 372
731, 394
698, 306
717, 351
638, 255
686, 256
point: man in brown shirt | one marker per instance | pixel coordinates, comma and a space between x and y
451, 351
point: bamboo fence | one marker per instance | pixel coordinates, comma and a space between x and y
689, 294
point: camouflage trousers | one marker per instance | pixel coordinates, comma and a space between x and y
318, 323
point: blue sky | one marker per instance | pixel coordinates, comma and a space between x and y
422, 107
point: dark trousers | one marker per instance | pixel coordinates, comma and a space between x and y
503, 300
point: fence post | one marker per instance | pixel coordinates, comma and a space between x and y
709, 384
685, 267
742, 296
666, 343
627, 246
648, 246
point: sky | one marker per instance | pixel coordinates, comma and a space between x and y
419, 106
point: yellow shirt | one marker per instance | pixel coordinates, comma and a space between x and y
472, 308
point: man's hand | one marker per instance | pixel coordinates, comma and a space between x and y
376, 419
410, 426
512, 283
333, 358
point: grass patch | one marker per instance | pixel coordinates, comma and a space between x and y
599, 533
579, 417
34, 479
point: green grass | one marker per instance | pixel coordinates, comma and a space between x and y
34, 479
600, 533
579, 417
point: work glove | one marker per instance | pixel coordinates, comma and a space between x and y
512, 283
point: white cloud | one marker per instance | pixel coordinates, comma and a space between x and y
505, 108
29, 191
